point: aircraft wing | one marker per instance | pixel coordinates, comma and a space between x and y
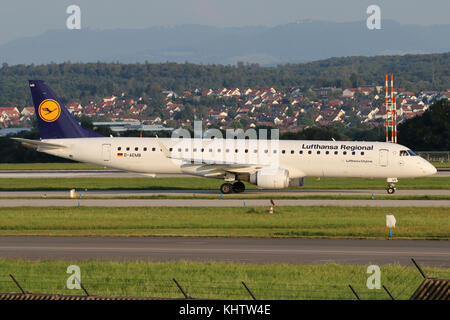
37, 144
210, 167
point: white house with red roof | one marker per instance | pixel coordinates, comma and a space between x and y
27, 111
75, 108
109, 99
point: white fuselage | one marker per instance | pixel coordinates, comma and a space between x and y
301, 158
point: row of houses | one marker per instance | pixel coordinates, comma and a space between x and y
250, 107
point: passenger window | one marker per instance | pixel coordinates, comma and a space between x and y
186, 150
292, 151
119, 148
236, 150
219, 150
228, 150
128, 148
210, 150
353, 153
283, 151
327, 152
246, 150
195, 149
179, 149
265, 151
309, 152
153, 149
336, 152
344, 153
362, 153
136, 149
145, 148
203, 149
318, 152
170, 149
274, 151
300, 152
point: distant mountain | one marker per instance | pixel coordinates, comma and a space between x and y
290, 43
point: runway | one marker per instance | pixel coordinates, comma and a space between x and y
217, 203
251, 250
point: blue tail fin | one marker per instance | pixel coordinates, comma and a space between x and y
54, 120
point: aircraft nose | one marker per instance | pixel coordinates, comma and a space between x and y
430, 169
433, 170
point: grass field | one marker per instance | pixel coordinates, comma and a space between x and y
10, 184
308, 222
213, 280
438, 164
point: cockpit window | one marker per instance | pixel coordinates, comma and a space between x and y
411, 153
404, 153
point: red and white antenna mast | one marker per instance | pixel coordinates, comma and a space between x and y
391, 112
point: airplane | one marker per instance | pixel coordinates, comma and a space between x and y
268, 164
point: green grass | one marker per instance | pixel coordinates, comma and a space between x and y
49, 166
306, 222
213, 280
11, 184
438, 164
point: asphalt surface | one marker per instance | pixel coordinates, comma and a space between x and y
261, 251
194, 192
216, 203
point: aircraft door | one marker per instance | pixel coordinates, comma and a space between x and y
106, 152
384, 157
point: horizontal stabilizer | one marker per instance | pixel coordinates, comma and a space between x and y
39, 144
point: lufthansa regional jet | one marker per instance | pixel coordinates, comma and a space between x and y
268, 164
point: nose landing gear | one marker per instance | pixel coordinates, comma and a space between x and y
391, 188
391, 185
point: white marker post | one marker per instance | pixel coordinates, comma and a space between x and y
390, 223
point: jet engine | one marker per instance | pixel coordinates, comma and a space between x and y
270, 178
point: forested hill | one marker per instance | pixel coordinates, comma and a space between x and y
85, 81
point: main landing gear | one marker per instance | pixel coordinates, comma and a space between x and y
237, 187
391, 185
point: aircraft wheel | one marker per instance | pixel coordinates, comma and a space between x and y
226, 188
238, 187
390, 190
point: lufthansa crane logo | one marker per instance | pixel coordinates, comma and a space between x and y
49, 110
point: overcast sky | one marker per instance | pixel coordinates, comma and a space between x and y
19, 18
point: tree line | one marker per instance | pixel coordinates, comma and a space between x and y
90, 81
